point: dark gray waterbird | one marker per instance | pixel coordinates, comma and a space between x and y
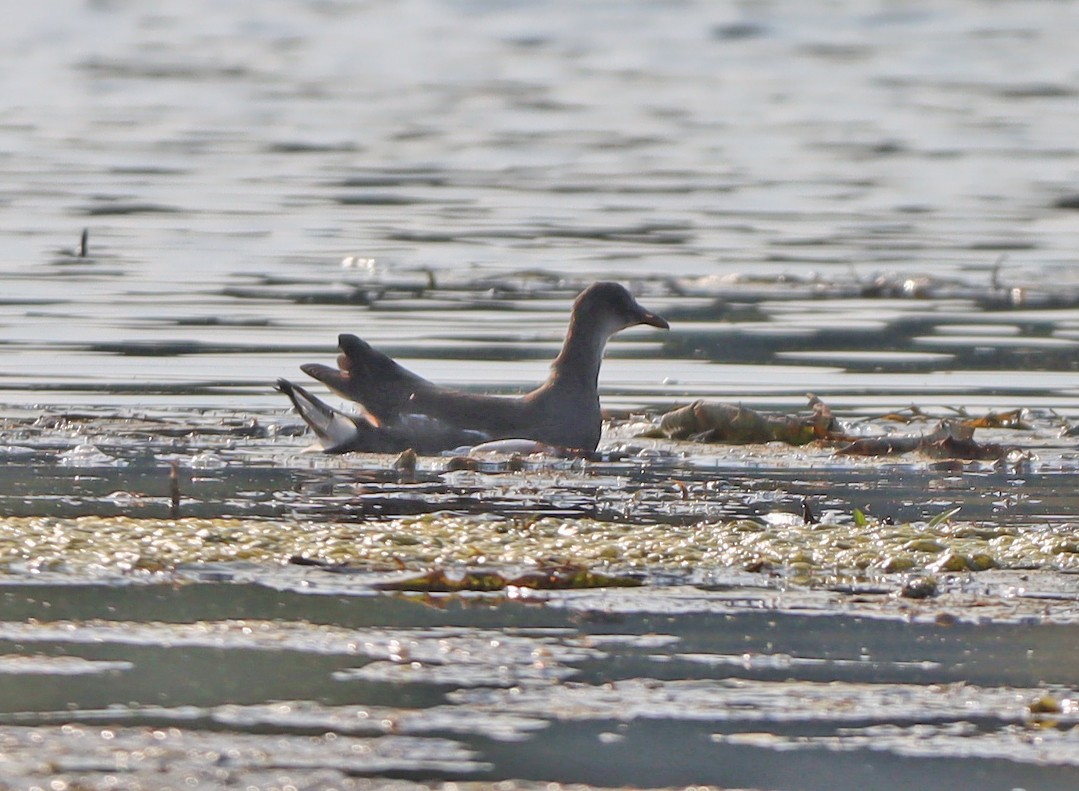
402, 410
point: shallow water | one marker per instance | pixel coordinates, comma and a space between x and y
226, 162
337, 682
869, 202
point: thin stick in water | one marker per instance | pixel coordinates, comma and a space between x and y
174, 489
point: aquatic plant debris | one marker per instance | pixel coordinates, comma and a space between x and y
736, 424
583, 546
739, 425
545, 577
951, 439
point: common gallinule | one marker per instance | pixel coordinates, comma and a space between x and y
402, 410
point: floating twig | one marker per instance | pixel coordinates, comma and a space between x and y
995, 279
174, 489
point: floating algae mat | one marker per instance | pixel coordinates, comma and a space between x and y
783, 543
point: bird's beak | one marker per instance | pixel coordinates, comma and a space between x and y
647, 317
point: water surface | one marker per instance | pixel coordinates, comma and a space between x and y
875, 203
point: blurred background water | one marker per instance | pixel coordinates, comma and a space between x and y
227, 158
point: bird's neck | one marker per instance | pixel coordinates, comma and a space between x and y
577, 365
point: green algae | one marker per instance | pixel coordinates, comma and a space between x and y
546, 577
783, 544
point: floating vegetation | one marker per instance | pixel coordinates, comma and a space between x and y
739, 425
783, 543
546, 577
735, 424
951, 439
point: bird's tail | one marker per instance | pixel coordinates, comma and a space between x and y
369, 377
336, 431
